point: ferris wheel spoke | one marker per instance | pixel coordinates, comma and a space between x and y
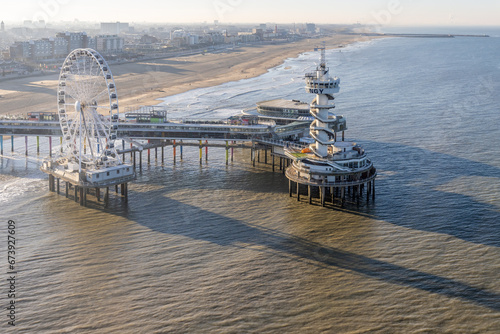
87, 130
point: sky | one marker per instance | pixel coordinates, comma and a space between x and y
379, 12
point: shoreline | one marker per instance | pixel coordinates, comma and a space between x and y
145, 82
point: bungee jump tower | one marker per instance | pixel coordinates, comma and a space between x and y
332, 168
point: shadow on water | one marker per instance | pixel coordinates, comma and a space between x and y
410, 193
402, 198
199, 224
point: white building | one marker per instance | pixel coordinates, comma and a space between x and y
109, 43
114, 28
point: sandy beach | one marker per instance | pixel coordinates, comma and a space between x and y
142, 83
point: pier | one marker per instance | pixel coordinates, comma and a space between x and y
89, 160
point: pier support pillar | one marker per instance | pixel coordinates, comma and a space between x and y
258, 156
12, 143
227, 152
323, 196
342, 135
232, 153
206, 150
162, 154
98, 194
1, 145
201, 152
181, 150
82, 194
50, 147
76, 194
26, 144
298, 191
37, 145
131, 152
156, 154
273, 162
58, 186
106, 196
290, 188
140, 161
123, 189
67, 189
265, 156
134, 159
149, 154
373, 189
175, 153
309, 193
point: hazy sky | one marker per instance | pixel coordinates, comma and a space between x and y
392, 12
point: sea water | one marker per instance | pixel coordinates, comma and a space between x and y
212, 248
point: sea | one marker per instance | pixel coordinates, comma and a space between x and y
216, 248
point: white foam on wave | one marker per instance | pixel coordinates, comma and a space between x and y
18, 187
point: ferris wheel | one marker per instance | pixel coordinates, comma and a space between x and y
88, 110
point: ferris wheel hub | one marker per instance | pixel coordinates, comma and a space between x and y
78, 106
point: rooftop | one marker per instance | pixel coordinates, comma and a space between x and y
286, 104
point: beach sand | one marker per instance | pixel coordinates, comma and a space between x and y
143, 82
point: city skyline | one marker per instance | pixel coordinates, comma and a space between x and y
377, 12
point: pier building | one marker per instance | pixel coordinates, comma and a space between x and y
329, 166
